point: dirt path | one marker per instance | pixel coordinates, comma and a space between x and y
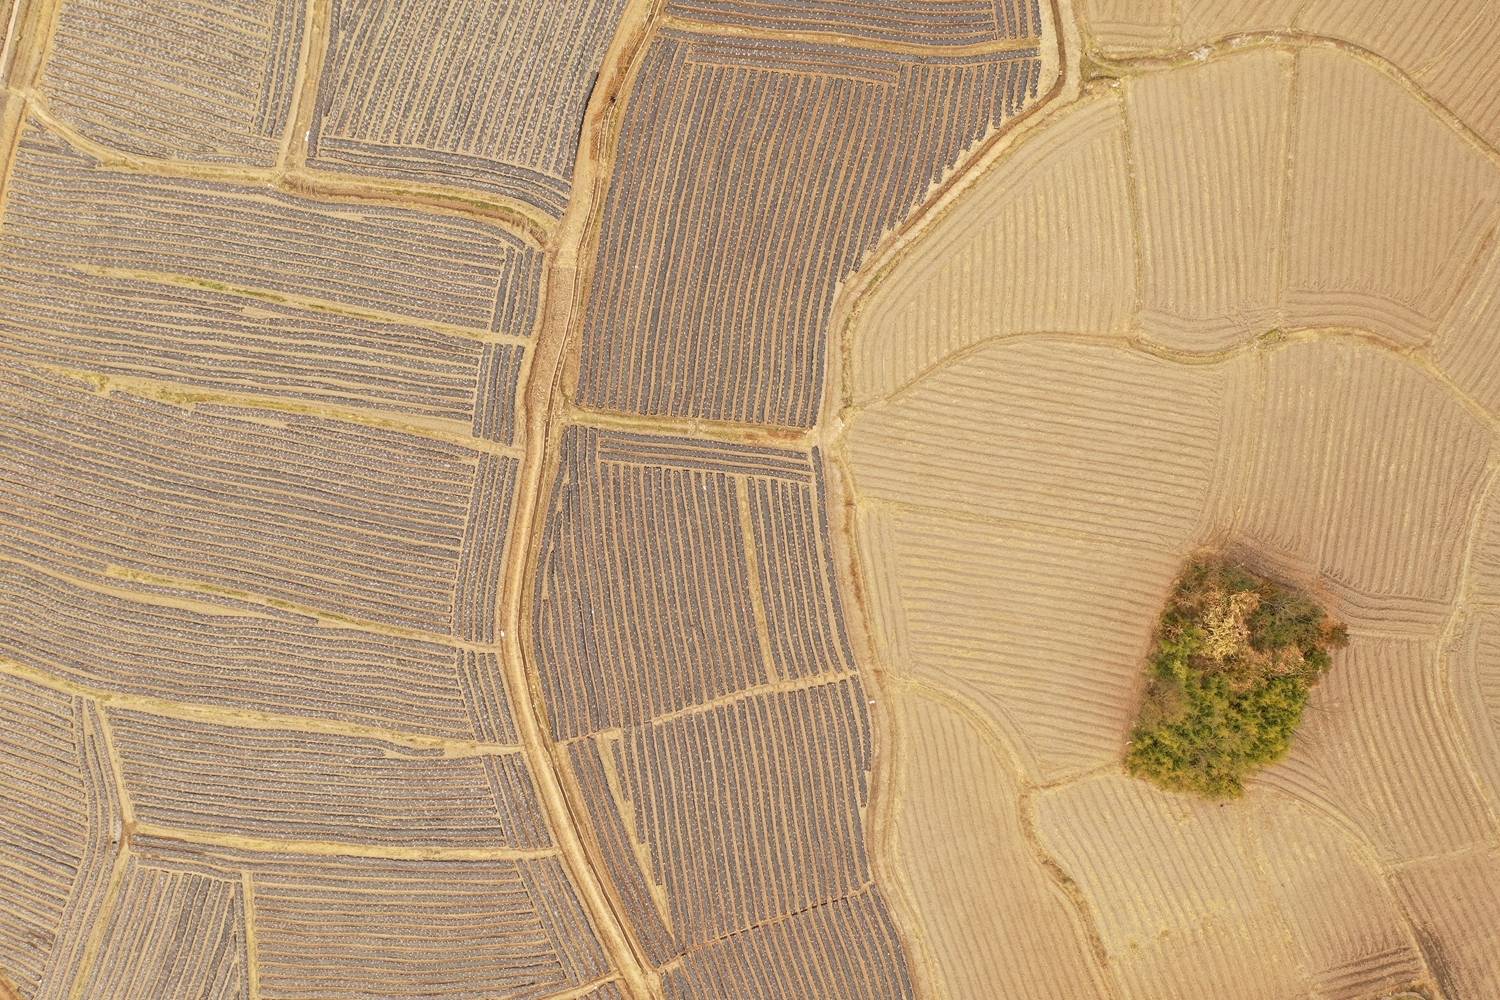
570, 263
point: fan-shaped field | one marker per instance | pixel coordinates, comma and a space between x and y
1257, 322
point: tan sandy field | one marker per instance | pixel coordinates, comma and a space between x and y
1239, 292
669, 499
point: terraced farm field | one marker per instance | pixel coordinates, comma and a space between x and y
670, 499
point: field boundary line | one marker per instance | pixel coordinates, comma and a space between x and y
582, 991
186, 396
514, 216
784, 686
751, 560
250, 718
252, 936
311, 55
998, 46
334, 848
95, 939
309, 303
725, 431
569, 250
106, 911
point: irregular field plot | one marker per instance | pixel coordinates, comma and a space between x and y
1449, 47
1007, 926
685, 622
1193, 900
185, 79
60, 828
707, 304
483, 95
237, 289
702, 570
1036, 439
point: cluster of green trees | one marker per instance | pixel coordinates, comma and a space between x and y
1234, 659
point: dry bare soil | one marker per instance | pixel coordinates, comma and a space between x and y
1237, 291
635, 499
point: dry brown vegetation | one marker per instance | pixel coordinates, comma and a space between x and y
259, 719
456, 541
1250, 314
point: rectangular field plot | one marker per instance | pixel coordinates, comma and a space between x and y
146, 642
187, 79
487, 95
675, 571
172, 933
351, 928
346, 519
246, 290
846, 949
753, 809
754, 175
930, 22
286, 786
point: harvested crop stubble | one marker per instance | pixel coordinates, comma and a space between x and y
135, 641
845, 949
187, 79
997, 923
1389, 207
1004, 557
1208, 148
67, 209
1473, 673
704, 302
1387, 756
778, 831
1193, 900
1455, 911
1375, 227
674, 571
934, 22
1355, 471
60, 830
169, 934
1064, 196
1366, 468
486, 95
1450, 48
350, 928
347, 519
283, 785
1466, 347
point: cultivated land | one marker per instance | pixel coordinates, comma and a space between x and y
641, 499
1237, 294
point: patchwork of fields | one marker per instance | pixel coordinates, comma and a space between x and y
1261, 321
629, 499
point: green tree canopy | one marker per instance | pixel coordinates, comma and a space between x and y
1234, 659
